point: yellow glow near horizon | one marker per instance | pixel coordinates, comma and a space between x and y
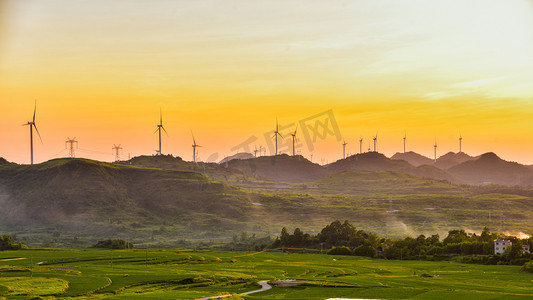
100, 71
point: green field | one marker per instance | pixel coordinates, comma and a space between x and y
180, 274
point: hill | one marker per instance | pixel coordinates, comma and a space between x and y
360, 182
280, 168
68, 201
101, 197
413, 158
370, 161
3, 161
374, 161
452, 159
490, 169
242, 155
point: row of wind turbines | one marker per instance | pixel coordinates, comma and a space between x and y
276, 132
375, 139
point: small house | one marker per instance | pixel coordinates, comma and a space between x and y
500, 245
525, 248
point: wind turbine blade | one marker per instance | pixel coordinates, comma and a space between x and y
193, 140
296, 129
34, 110
280, 135
35, 126
160, 116
164, 130
156, 130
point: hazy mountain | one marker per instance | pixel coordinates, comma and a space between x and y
242, 155
374, 161
413, 158
283, 168
3, 161
451, 159
370, 161
490, 169
89, 199
87, 194
362, 182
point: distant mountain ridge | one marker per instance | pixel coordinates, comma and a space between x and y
491, 169
452, 159
283, 168
413, 158
241, 155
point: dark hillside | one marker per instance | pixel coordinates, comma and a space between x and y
87, 193
490, 169
281, 168
413, 158
452, 159
361, 182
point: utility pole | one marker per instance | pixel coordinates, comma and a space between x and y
116, 150
70, 142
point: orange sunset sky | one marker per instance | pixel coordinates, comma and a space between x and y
101, 70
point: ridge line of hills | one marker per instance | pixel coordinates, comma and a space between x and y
456, 168
151, 196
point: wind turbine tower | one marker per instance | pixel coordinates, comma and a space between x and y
116, 150
260, 150
375, 142
32, 125
194, 145
460, 142
361, 146
435, 151
294, 139
344, 149
404, 138
159, 127
255, 151
276, 133
70, 142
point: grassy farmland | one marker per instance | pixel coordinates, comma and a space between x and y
176, 274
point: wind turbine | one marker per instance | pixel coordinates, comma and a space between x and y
294, 139
255, 151
344, 149
194, 145
460, 141
276, 133
375, 141
360, 145
32, 125
435, 150
159, 127
404, 138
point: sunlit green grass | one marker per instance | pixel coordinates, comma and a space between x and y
172, 274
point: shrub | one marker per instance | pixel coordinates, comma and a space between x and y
365, 250
113, 244
528, 267
341, 250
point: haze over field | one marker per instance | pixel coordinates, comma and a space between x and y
101, 70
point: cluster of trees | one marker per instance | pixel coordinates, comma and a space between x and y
345, 239
333, 235
7, 242
113, 244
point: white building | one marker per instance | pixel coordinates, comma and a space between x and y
525, 248
500, 245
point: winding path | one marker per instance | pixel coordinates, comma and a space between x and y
264, 286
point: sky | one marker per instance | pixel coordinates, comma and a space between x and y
101, 71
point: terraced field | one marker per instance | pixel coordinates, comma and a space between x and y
180, 274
